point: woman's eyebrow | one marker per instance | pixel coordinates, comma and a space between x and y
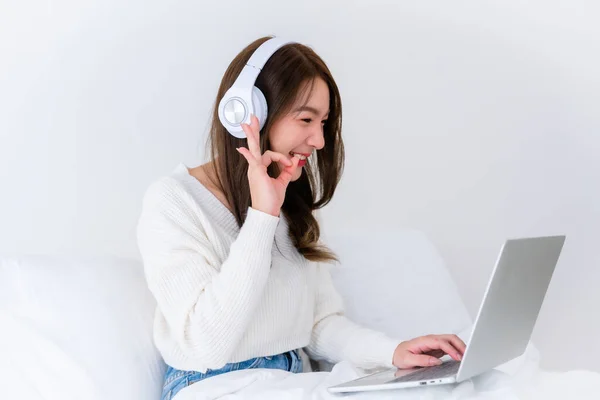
309, 109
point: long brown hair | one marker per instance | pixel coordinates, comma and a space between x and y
288, 73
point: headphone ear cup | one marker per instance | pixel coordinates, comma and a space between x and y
259, 103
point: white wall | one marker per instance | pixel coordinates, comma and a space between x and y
472, 121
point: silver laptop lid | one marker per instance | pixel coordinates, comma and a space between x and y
511, 303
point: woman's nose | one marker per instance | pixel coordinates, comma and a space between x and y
316, 140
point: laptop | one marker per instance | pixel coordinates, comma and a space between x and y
503, 326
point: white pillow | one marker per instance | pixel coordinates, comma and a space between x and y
395, 281
77, 329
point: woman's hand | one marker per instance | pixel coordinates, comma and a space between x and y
267, 193
425, 351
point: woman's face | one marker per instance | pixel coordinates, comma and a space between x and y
300, 132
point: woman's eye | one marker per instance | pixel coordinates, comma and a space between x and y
309, 120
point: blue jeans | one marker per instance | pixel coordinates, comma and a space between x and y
175, 379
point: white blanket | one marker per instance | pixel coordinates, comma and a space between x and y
520, 379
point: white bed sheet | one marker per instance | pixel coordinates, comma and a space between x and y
519, 379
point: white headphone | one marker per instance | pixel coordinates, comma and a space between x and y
243, 98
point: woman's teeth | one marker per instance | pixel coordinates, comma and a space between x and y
300, 156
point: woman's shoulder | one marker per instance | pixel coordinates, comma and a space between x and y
170, 190
165, 190
169, 207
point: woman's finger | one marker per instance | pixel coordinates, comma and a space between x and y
436, 353
439, 342
271, 156
254, 123
252, 137
246, 153
288, 172
456, 342
253, 145
421, 360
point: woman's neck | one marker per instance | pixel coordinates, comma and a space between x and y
206, 175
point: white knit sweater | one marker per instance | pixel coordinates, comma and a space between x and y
226, 294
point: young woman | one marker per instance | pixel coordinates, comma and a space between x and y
231, 248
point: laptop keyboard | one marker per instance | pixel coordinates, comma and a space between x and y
449, 368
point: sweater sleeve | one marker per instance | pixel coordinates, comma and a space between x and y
206, 309
335, 338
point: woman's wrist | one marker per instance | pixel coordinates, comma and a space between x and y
270, 211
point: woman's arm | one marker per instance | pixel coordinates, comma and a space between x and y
206, 308
336, 338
